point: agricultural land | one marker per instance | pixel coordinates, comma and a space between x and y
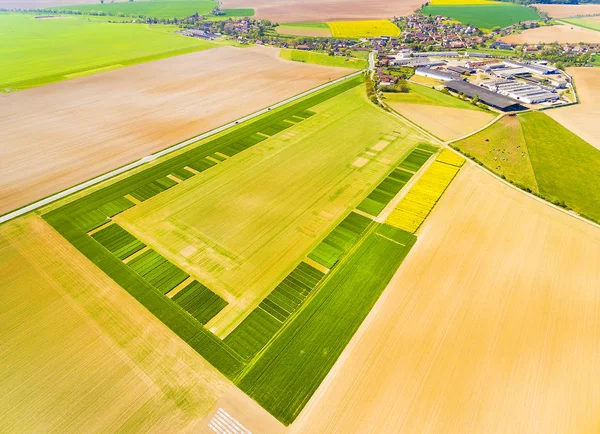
539, 154
302, 11
155, 9
566, 11
592, 23
360, 29
46, 51
582, 119
495, 303
560, 33
444, 116
304, 29
485, 15
124, 115
323, 59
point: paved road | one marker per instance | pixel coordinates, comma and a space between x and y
43, 202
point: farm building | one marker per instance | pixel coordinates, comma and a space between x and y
472, 54
437, 54
534, 68
416, 62
490, 98
438, 75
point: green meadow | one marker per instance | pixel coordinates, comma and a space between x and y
41, 51
153, 9
419, 94
484, 16
586, 23
537, 153
322, 59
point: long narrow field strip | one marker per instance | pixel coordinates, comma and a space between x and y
291, 369
264, 321
366, 28
340, 240
118, 241
152, 188
73, 221
199, 301
412, 210
159, 272
378, 199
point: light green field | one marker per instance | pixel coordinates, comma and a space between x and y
322, 59
424, 95
241, 227
153, 9
586, 23
486, 15
538, 153
304, 29
360, 29
37, 52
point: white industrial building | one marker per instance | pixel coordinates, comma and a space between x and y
438, 75
521, 91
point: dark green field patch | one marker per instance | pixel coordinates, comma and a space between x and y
153, 188
339, 241
116, 206
199, 301
182, 174
415, 160
118, 241
201, 165
293, 366
157, 271
305, 114
262, 324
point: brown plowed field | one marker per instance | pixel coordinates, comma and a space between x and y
564, 11
561, 33
290, 11
56, 136
582, 118
491, 325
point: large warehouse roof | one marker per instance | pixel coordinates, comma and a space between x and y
487, 96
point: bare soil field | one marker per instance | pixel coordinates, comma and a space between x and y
79, 354
289, 11
582, 119
490, 325
565, 11
561, 33
446, 123
59, 135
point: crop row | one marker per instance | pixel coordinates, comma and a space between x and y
199, 301
412, 210
378, 199
118, 241
159, 272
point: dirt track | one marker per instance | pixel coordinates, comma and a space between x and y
582, 119
562, 33
491, 325
289, 11
55, 136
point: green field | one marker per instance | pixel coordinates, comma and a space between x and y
38, 52
361, 255
586, 23
484, 16
322, 59
152, 9
291, 369
420, 94
537, 153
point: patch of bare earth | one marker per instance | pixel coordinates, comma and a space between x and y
79, 354
565, 11
290, 11
490, 325
561, 33
582, 119
56, 136
446, 123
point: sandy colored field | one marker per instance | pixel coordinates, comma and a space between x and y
491, 325
250, 220
81, 355
561, 33
303, 31
289, 11
582, 119
564, 11
59, 135
446, 123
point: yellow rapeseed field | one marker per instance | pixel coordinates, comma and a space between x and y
412, 210
366, 28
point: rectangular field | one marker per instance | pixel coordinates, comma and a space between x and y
363, 29
484, 16
153, 9
242, 226
412, 210
322, 59
97, 123
294, 365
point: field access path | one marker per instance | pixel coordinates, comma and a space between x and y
94, 181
